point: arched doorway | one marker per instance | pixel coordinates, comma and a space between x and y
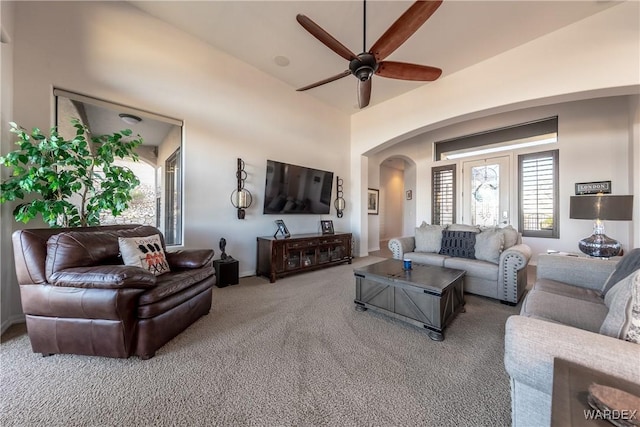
397, 181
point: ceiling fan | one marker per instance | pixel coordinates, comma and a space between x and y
364, 65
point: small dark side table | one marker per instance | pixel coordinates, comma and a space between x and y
226, 272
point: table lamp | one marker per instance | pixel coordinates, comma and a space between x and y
599, 208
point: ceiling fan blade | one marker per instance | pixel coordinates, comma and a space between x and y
326, 38
364, 92
328, 80
403, 28
405, 71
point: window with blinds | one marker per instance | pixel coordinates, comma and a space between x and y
538, 195
443, 188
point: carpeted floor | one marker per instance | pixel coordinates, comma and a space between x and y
290, 353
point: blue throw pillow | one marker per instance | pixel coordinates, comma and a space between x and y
459, 244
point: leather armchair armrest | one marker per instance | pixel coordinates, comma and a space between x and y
400, 245
190, 258
104, 277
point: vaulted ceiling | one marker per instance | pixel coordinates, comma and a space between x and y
266, 35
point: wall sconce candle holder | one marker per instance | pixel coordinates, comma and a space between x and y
339, 202
241, 197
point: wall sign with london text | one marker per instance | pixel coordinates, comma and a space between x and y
603, 187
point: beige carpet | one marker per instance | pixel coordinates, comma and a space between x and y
290, 353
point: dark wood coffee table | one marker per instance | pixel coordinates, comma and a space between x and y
426, 296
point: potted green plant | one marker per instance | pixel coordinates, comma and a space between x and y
69, 181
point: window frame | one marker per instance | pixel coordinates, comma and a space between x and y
173, 196
436, 219
554, 231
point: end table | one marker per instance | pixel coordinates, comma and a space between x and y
226, 272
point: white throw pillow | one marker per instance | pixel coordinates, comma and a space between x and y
428, 238
145, 252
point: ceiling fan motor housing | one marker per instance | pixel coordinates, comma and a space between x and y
363, 66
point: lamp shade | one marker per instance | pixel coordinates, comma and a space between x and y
602, 207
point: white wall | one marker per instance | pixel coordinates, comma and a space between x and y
634, 163
10, 308
392, 205
115, 52
597, 56
593, 139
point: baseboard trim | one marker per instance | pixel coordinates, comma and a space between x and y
13, 320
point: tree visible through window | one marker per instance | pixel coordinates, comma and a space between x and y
443, 188
538, 194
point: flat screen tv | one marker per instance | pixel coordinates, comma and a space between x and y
293, 189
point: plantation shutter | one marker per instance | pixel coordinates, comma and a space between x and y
443, 205
539, 194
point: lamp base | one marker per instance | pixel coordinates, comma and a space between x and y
599, 246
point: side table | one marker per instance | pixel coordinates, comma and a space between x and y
226, 272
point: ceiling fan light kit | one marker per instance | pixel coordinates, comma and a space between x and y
366, 64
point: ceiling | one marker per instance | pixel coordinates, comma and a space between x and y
458, 35
103, 121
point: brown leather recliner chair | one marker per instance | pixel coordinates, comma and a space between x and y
79, 298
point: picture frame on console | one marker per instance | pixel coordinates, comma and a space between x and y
282, 229
326, 226
373, 199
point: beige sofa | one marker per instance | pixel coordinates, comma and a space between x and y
581, 310
494, 258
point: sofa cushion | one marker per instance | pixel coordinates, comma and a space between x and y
628, 264
474, 268
489, 245
428, 258
174, 289
428, 238
619, 300
145, 252
586, 315
458, 244
560, 288
174, 283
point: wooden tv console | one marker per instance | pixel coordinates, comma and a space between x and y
278, 257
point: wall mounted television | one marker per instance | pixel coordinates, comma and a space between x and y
293, 189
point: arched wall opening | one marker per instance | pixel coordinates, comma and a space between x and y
393, 180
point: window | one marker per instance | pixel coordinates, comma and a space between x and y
173, 209
538, 194
443, 188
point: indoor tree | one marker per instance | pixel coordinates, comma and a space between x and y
69, 181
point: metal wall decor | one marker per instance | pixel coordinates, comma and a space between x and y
339, 203
241, 197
